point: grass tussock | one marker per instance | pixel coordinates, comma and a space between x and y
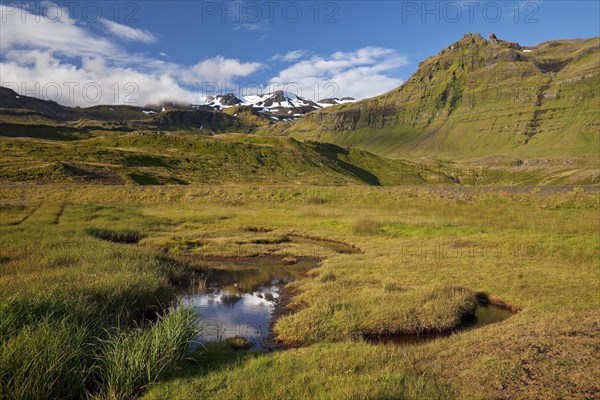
367, 227
390, 285
48, 360
116, 236
257, 229
316, 200
327, 276
70, 358
132, 360
358, 312
238, 343
273, 240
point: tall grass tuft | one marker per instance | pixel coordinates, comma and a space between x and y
133, 360
316, 200
367, 227
390, 285
49, 360
117, 236
327, 276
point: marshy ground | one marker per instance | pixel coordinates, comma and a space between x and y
87, 275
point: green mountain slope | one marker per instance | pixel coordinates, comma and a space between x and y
478, 98
150, 158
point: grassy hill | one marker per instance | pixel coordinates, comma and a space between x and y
478, 98
59, 155
92, 154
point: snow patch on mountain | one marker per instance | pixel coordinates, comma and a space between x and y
335, 101
279, 105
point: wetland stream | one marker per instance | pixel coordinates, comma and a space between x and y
241, 297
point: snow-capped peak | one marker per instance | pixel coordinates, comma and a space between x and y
279, 99
223, 101
335, 101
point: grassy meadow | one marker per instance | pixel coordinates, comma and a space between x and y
89, 275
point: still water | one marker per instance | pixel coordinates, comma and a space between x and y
239, 300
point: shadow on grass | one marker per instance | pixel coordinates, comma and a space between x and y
206, 359
46, 132
333, 152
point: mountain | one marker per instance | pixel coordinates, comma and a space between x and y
279, 105
241, 115
482, 111
17, 110
478, 98
221, 101
12, 102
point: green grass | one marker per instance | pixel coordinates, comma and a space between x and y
367, 227
68, 306
427, 253
358, 371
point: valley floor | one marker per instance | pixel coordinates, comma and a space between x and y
110, 256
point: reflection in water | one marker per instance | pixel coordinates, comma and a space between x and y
239, 302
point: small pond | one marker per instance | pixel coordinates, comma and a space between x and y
240, 298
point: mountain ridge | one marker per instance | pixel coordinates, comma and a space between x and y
498, 94
276, 106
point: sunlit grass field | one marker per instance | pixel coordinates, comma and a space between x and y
88, 275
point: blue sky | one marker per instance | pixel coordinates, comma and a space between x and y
91, 52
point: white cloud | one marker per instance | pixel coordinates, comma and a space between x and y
289, 56
218, 69
38, 73
363, 73
41, 57
125, 32
250, 26
22, 28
